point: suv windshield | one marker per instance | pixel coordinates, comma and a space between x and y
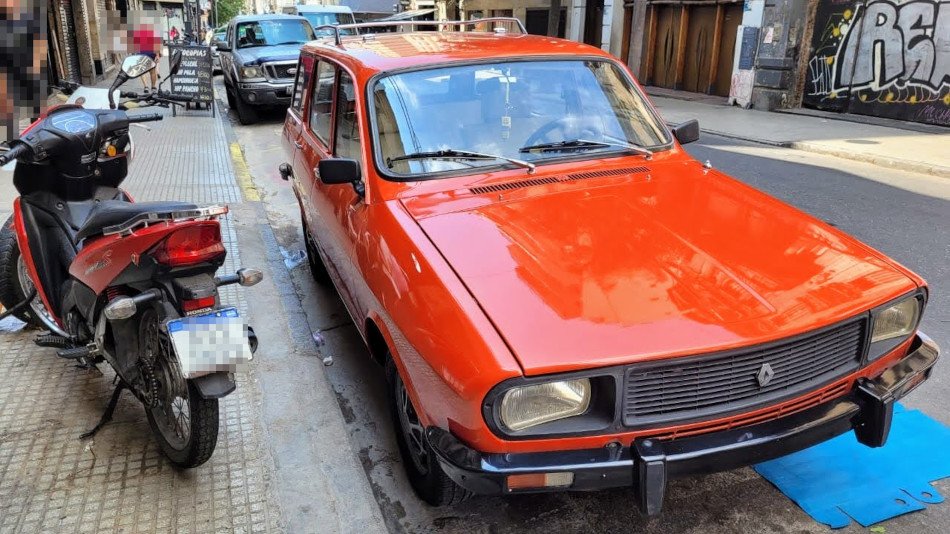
273, 32
532, 111
326, 19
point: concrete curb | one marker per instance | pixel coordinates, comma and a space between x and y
817, 148
318, 479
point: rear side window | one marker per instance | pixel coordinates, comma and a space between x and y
321, 104
304, 68
347, 133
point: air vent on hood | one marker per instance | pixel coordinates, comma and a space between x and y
601, 174
495, 188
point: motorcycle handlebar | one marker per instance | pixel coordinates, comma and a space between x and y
146, 118
175, 98
13, 153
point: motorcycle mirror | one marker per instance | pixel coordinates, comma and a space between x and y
137, 65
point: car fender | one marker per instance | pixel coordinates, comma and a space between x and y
449, 355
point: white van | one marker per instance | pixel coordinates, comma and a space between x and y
324, 15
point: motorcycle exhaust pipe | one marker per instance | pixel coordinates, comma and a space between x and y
125, 307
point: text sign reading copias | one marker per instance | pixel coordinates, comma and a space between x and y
194, 77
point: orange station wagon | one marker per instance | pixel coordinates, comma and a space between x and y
562, 297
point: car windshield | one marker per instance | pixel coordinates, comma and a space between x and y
328, 19
533, 111
273, 32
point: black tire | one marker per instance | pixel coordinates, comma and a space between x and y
201, 419
318, 270
246, 112
425, 474
11, 292
230, 96
204, 432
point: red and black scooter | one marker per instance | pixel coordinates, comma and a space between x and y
131, 284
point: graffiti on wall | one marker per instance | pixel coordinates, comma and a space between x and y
882, 57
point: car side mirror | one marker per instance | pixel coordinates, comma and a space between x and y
687, 132
223, 46
341, 171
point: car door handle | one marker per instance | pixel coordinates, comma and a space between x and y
298, 144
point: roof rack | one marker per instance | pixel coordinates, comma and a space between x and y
335, 28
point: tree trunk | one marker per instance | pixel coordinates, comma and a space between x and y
554, 17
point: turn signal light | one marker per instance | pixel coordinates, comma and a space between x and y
540, 480
198, 242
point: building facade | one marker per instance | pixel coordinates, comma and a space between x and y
885, 58
82, 37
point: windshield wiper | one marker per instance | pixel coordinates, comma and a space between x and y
289, 42
583, 144
451, 153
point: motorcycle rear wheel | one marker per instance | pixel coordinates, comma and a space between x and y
11, 288
184, 423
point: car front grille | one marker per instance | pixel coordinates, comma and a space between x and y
690, 388
280, 71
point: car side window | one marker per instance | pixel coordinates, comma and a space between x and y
321, 104
304, 68
347, 133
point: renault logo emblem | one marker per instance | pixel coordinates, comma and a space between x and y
765, 375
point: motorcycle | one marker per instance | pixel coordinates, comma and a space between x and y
128, 283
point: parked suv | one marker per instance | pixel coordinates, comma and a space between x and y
561, 297
259, 59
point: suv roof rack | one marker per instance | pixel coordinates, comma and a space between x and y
335, 28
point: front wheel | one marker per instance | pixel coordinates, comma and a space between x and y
15, 283
246, 112
184, 423
425, 473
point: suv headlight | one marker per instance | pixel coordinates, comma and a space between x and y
892, 325
252, 72
528, 406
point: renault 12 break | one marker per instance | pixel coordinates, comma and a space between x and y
562, 298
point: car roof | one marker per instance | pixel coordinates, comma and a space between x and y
251, 18
387, 51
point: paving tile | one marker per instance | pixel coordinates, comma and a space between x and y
119, 482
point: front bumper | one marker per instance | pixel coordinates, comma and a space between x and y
265, 93
647, 463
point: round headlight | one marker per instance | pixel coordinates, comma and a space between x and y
527, 406
898, 320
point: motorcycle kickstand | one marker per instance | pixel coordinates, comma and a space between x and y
110, 409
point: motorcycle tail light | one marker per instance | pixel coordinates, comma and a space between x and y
198, 242
189, 306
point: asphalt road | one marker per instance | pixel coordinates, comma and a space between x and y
904, 215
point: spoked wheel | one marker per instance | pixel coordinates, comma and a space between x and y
184, 423
412, 432
425, 473
15, 282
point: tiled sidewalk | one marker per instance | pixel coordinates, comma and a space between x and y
50, 480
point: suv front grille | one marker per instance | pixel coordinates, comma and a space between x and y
701, 387
280, 71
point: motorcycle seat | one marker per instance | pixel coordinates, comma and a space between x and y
113, 212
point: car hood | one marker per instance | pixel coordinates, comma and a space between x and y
263, 54
618, 270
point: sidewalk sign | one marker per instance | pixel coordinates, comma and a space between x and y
195, 76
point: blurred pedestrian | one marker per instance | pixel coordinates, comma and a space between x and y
22, 64
173, 34
147, 42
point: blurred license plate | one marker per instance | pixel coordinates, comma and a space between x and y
216, 341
